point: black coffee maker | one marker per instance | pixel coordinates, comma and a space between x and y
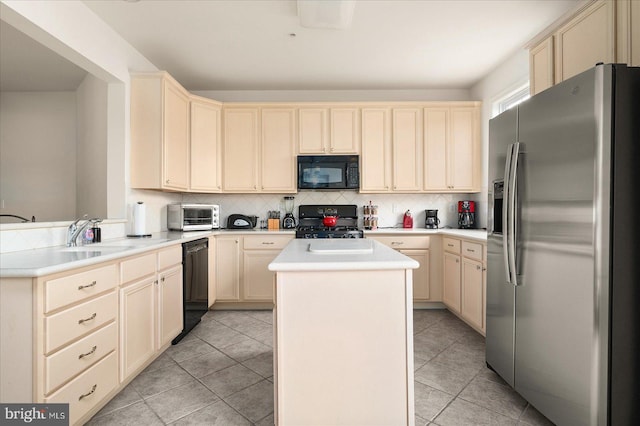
431, 221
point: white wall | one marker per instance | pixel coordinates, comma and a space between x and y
38, 154
91, 165
506, 77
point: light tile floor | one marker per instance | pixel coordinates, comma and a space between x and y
222, 374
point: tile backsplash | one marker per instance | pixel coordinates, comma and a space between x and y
391, 207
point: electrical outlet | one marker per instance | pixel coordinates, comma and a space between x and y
394, 208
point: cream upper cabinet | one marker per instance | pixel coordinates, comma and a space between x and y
206, 142
344, 125
241, 149
407, 149
329, 130
587, 39
464, 149
159, 133
436, 135
278, 153
375, 166
628, 23
314, 131
452, 149
541, 66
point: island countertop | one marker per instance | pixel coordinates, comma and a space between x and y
339, 255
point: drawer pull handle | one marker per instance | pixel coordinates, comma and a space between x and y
397, 243
88, 319
88, 353
449, 245
93, 389
80, 287
470, 250
268, 243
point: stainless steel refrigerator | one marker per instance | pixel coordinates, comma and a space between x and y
563, 282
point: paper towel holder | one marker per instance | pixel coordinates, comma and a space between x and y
139, 221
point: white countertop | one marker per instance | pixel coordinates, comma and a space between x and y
339, 255
35, 263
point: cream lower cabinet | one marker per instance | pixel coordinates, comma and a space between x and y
80, 336
228, 268
151, 306
417, 248
464, 276
241, 267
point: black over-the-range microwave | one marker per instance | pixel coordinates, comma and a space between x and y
328, 172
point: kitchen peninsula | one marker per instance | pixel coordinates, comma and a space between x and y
343, 333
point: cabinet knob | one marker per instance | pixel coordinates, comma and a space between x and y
166, 181
478, 268
162, 279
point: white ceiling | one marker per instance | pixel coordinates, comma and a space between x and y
246, 44
391, 44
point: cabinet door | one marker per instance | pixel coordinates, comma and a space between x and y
435, 148
407, 142
587, 39
170, 300
463, 150
472, 305
451, 278
227, 268
240, 171
257, 278
176, 137
541, 66
206, 173
213, 266
137, 325
420, 275
345, 131
313, 130
375, 167
278, 159
634, 30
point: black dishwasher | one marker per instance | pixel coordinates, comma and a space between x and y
195, 282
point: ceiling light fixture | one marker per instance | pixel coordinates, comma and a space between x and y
328, 14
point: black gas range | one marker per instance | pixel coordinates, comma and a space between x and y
311, 216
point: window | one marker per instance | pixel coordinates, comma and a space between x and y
511, 99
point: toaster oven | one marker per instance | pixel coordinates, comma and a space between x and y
193, 217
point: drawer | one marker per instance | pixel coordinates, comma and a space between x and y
404, 242
88, 389
73, 288
266, 242
170, 256
451, 245
79, 320
78, 356
472, 250
138, 267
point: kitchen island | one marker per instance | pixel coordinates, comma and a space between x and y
343, 334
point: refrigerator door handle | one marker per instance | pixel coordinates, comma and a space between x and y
506, 211
512, 218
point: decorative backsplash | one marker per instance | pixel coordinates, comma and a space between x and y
391, 207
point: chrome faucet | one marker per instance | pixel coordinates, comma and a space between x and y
75, 230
